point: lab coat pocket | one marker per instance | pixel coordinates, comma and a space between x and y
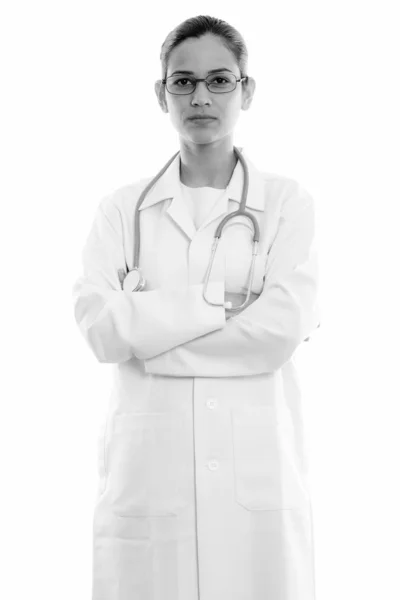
266, 472
144, 465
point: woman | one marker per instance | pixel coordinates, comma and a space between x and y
203, 483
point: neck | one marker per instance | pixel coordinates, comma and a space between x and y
206, 165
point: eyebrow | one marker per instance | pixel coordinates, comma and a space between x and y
192, 72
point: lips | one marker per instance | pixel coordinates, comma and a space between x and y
201, 117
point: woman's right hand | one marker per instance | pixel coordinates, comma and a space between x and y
236, 300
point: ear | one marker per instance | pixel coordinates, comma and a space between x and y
159, 89
248, 89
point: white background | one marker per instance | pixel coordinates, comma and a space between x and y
80, 118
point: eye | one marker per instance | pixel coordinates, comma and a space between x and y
181, 79
219, 77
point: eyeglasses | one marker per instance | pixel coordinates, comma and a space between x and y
217, 83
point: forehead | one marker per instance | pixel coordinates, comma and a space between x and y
201, 55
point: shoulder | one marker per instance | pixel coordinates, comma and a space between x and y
122, 200
288, 194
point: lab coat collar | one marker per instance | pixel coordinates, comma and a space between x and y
169, 186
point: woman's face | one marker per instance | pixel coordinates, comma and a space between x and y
200, 55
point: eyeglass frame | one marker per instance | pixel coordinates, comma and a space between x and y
164, 82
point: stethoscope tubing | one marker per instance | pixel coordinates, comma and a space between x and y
135, 272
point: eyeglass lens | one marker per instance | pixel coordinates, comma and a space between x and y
217, 83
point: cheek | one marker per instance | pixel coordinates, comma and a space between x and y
178, 121
231, 113
235, 109
176, 111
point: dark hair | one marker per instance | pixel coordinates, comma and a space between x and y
199, 26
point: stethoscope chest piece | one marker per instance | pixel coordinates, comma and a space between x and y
133, 282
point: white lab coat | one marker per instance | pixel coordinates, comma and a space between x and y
203, 491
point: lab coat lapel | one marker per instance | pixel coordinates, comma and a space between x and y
168, 187
179, 213
230, 201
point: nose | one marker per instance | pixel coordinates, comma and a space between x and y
201, 94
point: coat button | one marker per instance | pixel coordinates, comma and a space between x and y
211, 403
213, 465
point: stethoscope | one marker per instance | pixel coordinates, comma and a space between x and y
134, 280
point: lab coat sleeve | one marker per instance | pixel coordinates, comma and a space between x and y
118, 324
266, 333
